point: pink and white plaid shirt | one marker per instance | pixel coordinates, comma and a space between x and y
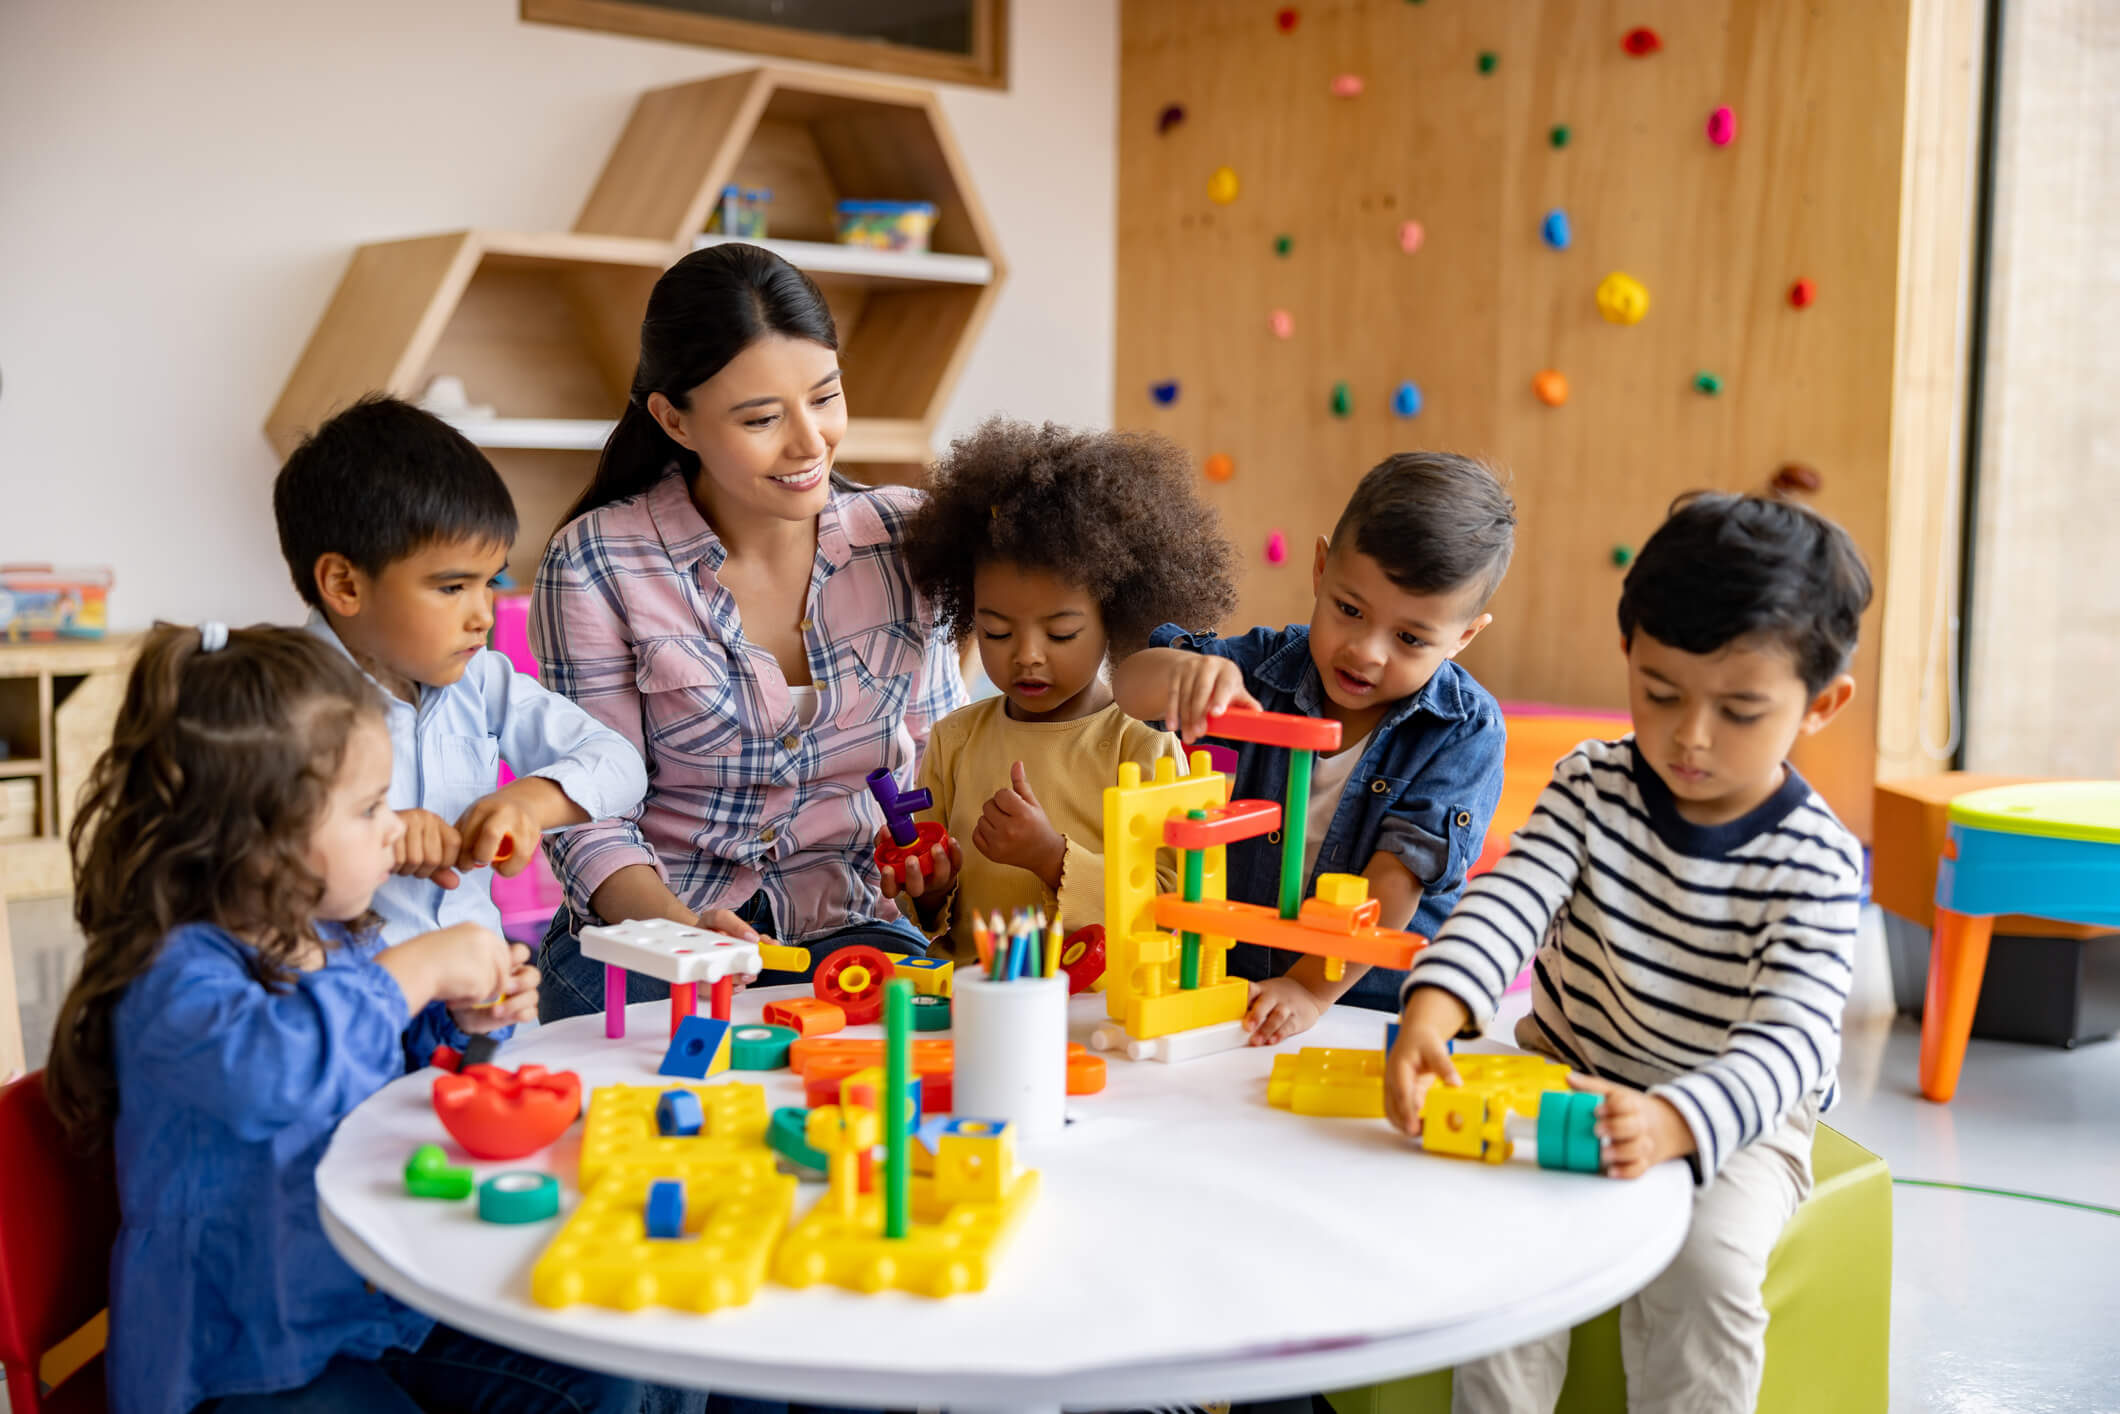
629, 620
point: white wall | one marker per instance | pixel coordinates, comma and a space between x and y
181, 187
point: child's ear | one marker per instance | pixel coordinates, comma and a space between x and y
1828, 703
1317, 565
339, 584
1472, 631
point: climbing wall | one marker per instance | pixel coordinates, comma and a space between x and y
1338, 238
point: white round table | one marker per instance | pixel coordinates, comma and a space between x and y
1189, 1243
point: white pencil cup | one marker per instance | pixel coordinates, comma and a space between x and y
1011, 1053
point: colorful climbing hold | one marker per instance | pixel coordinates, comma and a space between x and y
1554, 229
1641, 42
1164, 393
1722, 126
1347, 86
1283, 244
1560, 134
1222, 186
1406, 399
1285, 19
1802, 293
1622, 299
1489, 61
1551, 386
1282, 323
1411, 235
1218, 467
1276, 548
1342, 400
1169, 118
1622, 555
1796, 479
1707, 382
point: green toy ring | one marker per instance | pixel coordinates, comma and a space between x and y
787, 1135
931, 1013
519, 1196
760, 1047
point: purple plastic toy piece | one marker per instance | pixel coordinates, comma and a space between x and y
898, 806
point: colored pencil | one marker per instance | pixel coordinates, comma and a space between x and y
984, 941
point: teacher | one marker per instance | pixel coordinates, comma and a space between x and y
742, 615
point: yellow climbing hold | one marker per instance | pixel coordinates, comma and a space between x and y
1622, 299
1222, 186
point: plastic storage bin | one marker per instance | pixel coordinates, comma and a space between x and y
38, 602
527, 901
886, 225
741, 212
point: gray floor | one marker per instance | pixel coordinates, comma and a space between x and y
2001, 1305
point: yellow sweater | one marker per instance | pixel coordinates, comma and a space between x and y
1068, 765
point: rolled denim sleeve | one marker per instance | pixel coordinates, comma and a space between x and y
1439, 820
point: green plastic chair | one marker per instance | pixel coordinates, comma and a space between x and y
1829, 1300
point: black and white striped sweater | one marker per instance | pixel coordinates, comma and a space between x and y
1708, 965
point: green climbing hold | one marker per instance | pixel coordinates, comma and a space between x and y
1560, 135
1622, 555
1283, 244
1489, 61
1342, 400
1707, 382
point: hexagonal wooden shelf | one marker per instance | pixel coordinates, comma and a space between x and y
544, 328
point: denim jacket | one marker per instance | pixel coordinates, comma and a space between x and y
1427, 783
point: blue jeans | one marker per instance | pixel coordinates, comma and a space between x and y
449, 1373
573, 985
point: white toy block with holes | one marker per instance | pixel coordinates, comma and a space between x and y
1178, 1046
670, 951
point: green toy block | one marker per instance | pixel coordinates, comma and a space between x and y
429, 1174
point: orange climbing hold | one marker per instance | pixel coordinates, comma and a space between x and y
1551, 387
1641, 42
1218, 467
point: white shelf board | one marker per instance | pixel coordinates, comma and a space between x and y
558, 434
828, 258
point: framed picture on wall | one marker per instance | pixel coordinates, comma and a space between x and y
956, 41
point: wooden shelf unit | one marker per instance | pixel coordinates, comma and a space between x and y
544, 327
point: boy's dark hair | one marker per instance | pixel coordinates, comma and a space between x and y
380, 481
1434, 522
1725, 567
1117, 512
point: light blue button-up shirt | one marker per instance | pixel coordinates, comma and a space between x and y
447, 753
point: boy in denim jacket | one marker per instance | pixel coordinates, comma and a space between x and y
1401, 589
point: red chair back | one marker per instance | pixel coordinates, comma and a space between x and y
58, 1218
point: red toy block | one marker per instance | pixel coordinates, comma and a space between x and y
807, 1015
501, 1114
1082, 958
891, 856
446, 1058
1339, 917
1238, 820
1283, 729
852, 979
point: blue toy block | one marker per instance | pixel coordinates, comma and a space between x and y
666, 1208
699, 1048
679, 1114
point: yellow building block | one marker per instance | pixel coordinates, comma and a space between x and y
1342, 890
1209, 1004
622, 1130
780, 957
930, 976
1464, 1123
974, 1162
1329, 1082
735, 1210
951, 1248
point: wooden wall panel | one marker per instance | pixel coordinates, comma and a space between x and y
1811, 188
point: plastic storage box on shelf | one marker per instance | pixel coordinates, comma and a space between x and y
887, 225
39, 602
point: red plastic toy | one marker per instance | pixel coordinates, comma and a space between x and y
1641, 42
1284, 729
1082, 957
497, 1113
910, 838
852, 979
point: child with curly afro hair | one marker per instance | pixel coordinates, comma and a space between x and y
1056, 549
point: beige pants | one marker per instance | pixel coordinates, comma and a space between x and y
1693, 1340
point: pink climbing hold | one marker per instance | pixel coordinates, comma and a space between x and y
1722, 126
1347, 86
1276, 548
1410, 236
1282, 323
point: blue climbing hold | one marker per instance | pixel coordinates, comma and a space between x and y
1406, 400
1555, 232
1164, 393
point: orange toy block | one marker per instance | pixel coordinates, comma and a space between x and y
824, 1063
1251, 923
807, 1015
1282, 729
1224, 825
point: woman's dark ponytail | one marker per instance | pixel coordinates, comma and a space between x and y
704, 311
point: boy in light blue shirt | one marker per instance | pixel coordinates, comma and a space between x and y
395, 528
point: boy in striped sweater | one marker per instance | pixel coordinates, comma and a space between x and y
1688, 906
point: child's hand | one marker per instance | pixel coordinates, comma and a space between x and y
519, 992
1013, 830
465, 964
1202, 686
428, 849
503, 815
1637, 1131
1422, 1056
937, 876
1280, 1008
